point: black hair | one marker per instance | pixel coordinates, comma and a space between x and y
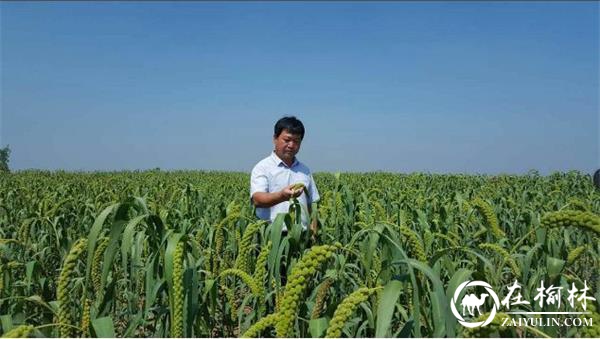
597, 178
291, 124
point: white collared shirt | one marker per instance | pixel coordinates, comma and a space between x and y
272, 175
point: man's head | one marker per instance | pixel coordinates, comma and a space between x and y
287, 137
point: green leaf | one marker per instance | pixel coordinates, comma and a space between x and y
274, 261
127, 242
93, 236
386, 307
406, 329
29, 267
6, 321
317, 327
554, 267
104, 327
109, 254
526, 263
458, 278
439, 305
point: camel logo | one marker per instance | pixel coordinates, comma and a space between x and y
471, 302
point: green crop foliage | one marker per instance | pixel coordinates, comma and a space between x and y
180, 254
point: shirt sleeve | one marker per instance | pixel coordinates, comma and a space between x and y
258, 181
314, 193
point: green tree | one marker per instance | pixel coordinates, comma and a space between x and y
4, 158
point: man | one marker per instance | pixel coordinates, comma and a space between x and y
273, 177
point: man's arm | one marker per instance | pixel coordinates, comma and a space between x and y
266, 200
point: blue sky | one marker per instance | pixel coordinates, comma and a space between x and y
500, 87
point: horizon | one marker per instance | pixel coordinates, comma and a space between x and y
531, 172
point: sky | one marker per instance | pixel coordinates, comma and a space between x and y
438, 87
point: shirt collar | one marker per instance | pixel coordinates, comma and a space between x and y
278, 161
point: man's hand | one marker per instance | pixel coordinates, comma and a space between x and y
312, 210
313, 230
267, 200
288, 192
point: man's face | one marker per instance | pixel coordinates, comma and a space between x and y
287, 145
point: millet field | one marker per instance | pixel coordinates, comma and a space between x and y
181, 254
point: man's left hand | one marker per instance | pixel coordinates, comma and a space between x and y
313, 229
